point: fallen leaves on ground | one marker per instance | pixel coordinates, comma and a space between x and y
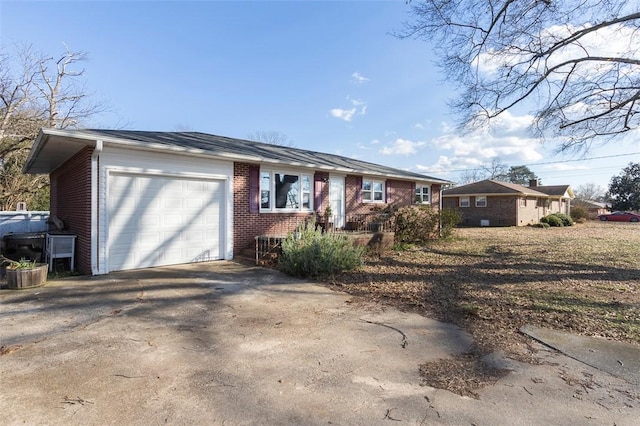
491, 281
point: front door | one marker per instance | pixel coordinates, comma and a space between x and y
336, 200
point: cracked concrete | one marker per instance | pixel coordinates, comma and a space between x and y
221, 343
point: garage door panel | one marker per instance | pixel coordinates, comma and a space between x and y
159, 220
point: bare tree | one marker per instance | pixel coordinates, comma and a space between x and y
590, 192
36, 91
574, 63
272, 137
471, 175
493, 169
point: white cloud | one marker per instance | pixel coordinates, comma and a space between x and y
359, 107
401, 147
358, 78
507, 139
445, 164
343, 114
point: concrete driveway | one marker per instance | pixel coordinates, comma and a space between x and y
221, 343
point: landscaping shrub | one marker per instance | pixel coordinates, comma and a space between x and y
579, 212
416, 224
309, 253
419, 224
449, 219
566, 219
557, 219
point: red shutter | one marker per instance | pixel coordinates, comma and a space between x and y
317, 191
359, 189
387, 189
413, 194
254, 189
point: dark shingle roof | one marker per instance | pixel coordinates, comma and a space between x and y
555, 190
239, 149
492, 187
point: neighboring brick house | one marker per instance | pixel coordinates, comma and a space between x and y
141, 199
494, 203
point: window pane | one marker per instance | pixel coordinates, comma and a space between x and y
366, 185
306, 184
366, 195
377, 186
377, 196
306, 192
287, 191
265, 188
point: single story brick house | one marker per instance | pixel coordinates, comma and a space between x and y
140, 199
494, 203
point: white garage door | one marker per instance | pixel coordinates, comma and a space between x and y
161, 220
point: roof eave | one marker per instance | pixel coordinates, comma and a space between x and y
157, 147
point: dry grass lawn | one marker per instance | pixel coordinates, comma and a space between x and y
491, 281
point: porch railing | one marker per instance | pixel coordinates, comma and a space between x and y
269, 247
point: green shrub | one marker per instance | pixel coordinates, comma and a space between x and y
557, 219
541, 225
309, 253
415, 224
552, 220
579, 212
419, 224
566, 219
449, 219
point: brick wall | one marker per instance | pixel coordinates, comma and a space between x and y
71, 202
248, 225
531, 213
401, 192
500, 211
435, 195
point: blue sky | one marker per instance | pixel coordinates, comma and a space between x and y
328, 74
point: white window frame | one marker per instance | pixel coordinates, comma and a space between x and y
369, 195
464, 202
420, 194
480, 204
271, 191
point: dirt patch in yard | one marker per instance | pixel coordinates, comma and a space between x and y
491, 281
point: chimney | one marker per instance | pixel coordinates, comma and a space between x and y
533, 183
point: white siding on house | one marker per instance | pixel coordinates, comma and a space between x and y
181, 178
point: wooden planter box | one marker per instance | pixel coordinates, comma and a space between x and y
27, 278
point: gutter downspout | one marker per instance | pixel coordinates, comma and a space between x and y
440, 211
95, 240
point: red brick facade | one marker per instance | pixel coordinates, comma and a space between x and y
246, 225
249, 225
504, 210
71, 202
